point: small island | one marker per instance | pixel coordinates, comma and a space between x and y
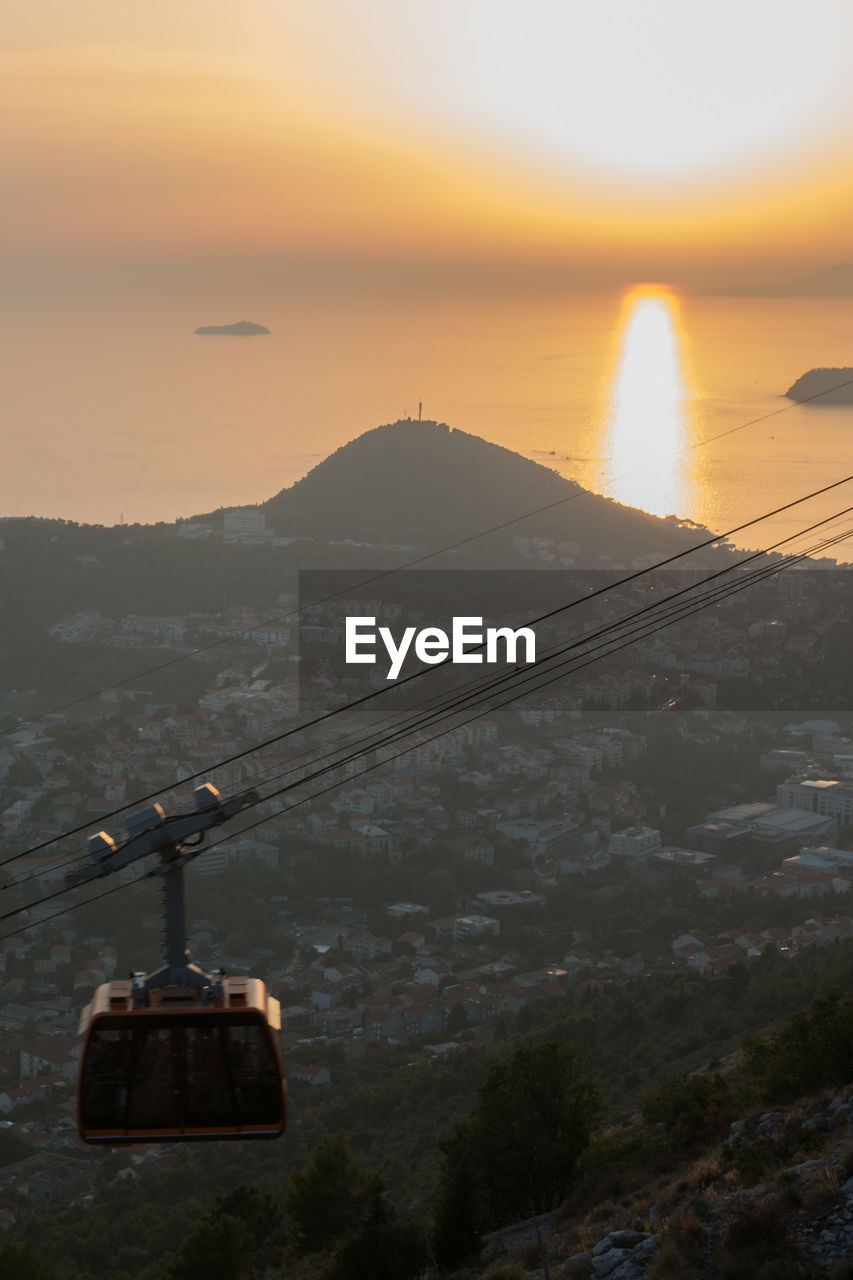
823, 386
242, 329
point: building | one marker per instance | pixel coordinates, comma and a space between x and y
475, 927
825, 797
399, 910
779, 829
544, 839
684, 859
723, 839
636, 843
309, 1074
783, 757
819, 858
246, 524
230, 852
785, 831
169, 630
494, 898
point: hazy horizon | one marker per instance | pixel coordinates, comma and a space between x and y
121, 413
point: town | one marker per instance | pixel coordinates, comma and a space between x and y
671, 808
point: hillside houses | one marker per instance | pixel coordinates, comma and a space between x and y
697, 950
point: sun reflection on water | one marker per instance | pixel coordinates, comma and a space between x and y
646, 429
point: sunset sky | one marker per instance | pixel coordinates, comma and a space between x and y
411, 197
606, 140
701, 142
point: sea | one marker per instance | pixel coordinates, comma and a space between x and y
117, 413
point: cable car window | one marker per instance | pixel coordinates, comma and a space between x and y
156, 1088
210, 1090
255, 1074
194, 1075
106, 1079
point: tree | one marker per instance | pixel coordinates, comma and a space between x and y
326, 1199
457, 1019
813, 1049
21, 1259
220, 1246
536, 1114
518, 1151
523, 1020
690, 1108
226, 1239
382, 1248
12, 1149
737, 982
461, 1209
22, 773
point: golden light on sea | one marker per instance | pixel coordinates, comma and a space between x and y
646, 428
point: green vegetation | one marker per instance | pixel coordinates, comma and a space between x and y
813, 1050
647, 1038
382, 1247
338, 1209
326, 1200
23, 1261
415, 477
690, 1109
757, 1247
12, 1148
520, 1148
229, 1240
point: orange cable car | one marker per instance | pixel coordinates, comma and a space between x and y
178, 1055
174, 1069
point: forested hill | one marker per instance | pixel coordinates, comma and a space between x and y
423, 483
408, 483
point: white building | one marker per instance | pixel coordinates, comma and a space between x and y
399, 910
636, 843
214, 861
552, 839
827, 797
475, 927
819, 858
509, 898
246, 524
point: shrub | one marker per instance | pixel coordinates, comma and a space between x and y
691, 1109
757, 1247
813, 1050
667, 1264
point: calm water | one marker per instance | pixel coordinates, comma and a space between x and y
122, 413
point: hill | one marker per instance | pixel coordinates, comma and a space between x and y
241, 329
423, 483
833, 386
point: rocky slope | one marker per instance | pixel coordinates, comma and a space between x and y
710, 1221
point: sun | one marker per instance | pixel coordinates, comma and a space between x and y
666, 89
617, 89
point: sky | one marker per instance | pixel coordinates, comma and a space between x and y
484, 141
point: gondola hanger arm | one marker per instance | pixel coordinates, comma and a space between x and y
151, 831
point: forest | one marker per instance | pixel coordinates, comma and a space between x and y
572, 1098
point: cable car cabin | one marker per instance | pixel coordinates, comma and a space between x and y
176, 1070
